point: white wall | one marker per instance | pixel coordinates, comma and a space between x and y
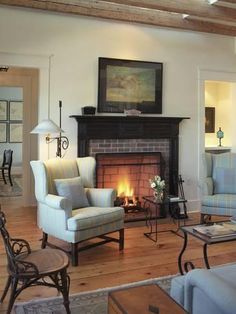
12, 93
77, 42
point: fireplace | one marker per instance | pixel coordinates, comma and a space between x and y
109, 132
129, 174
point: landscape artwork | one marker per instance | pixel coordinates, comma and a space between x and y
134, 85
127, 85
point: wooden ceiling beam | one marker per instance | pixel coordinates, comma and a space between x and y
101, 9
198, 8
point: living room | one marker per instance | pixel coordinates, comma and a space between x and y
68, 47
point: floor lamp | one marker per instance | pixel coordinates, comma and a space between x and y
49, 127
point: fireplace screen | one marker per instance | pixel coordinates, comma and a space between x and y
129, 174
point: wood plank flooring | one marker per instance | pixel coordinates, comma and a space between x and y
105, 266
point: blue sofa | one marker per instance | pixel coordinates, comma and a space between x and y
219, 186
203, 291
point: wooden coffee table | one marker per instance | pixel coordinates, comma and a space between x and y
139, 299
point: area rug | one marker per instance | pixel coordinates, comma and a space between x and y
6, 190
94, 302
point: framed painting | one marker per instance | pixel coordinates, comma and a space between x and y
129, 85
16, 110
209, 119
3, 109
3, 132
15, 132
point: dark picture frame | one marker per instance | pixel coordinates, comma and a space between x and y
209, 119
128, 84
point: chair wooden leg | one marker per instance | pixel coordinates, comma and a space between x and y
74, 254
14, 283
7, 286
65, 290
205, 218
9, 175
44, 240
3, 175
122, 239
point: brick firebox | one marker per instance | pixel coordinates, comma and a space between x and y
129, 173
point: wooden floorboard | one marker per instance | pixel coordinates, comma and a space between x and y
106, 266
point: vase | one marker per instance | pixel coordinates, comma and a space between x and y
158, 195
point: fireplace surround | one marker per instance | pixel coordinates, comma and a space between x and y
128, 128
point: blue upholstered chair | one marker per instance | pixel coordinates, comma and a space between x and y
219, 186
203, 291
70, 208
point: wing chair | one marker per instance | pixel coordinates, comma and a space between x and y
219, 186
71, 208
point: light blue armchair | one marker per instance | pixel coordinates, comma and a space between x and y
203, 291
70, 208
219, 186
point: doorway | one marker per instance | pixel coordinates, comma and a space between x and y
24, 83
228, 79
219, 110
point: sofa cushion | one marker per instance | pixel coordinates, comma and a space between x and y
226, 273
220, 200
72, 189
177, 289
224, 180
90, 217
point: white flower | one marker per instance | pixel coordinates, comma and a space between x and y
157, 184
153, 185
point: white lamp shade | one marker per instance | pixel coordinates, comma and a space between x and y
47, 126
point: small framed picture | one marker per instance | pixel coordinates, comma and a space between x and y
15, 132
16, 110
209, 119
3, 132
3, 109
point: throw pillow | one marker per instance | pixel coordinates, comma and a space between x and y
72, 189
224, 180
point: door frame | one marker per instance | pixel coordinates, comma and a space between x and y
28, 72
207, 75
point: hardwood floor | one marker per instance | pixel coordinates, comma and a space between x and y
105, 266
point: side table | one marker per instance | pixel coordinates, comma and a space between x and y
169, 202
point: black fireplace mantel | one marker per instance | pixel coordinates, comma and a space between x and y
130, 127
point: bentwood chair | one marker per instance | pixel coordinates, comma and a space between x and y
6, 165
27, 268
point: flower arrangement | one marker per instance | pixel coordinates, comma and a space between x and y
158, 186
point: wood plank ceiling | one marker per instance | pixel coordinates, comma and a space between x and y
210, 16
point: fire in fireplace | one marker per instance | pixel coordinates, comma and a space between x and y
129, 174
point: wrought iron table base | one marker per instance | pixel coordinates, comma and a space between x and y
187, 266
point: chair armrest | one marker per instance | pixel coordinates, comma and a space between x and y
101, 197
220, 292
57, 202
207, 186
